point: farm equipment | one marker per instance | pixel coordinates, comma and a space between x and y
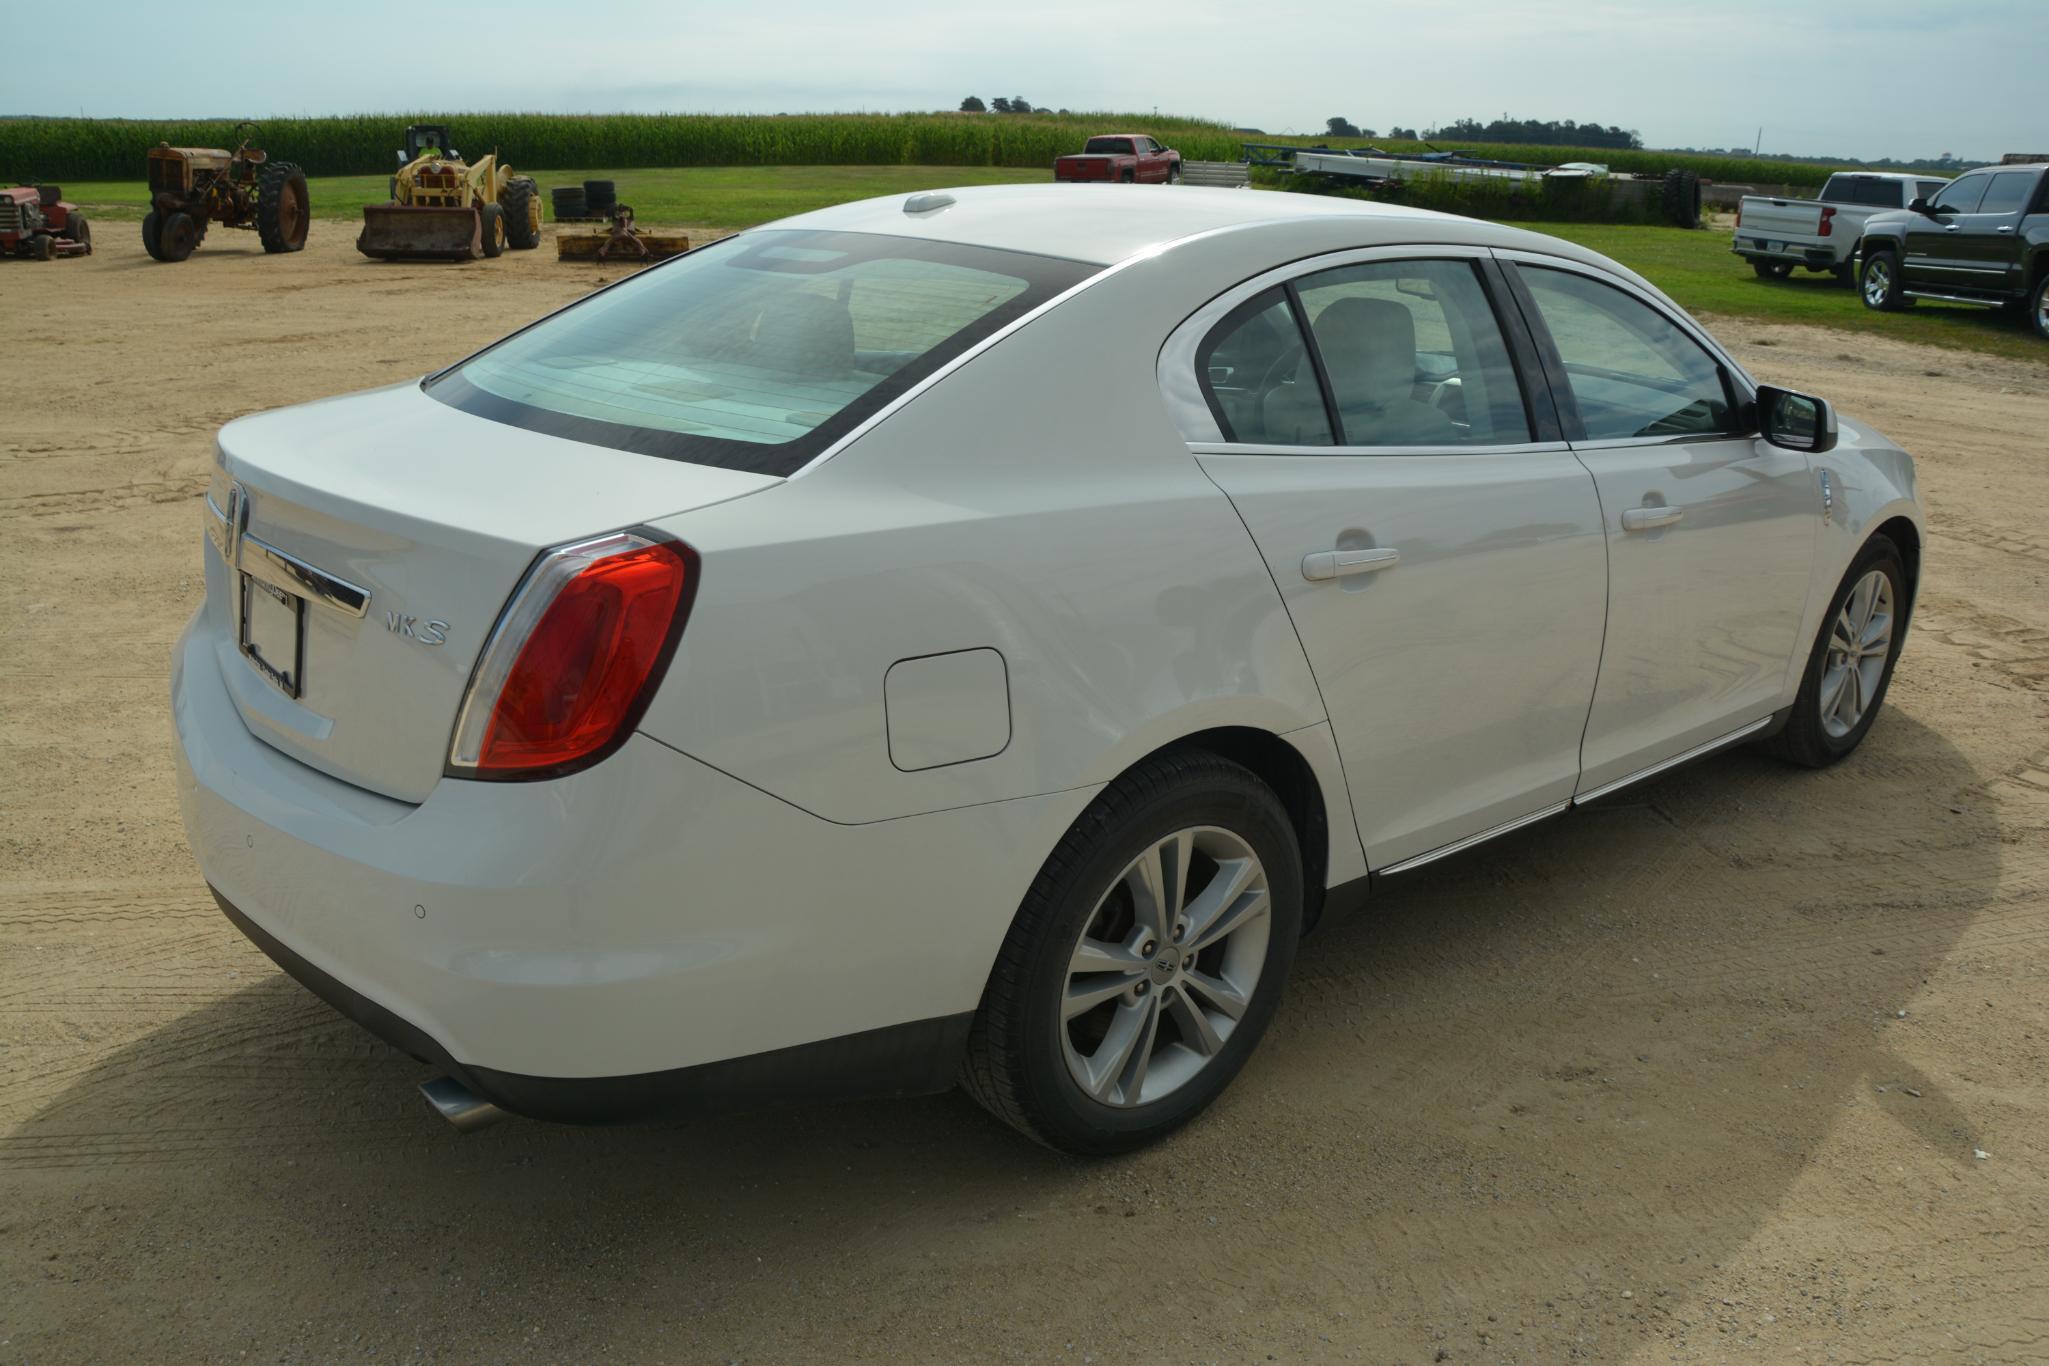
38, 222
190, 187
623, 242
446, 209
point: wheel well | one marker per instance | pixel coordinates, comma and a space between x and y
1281, 767
1902, 533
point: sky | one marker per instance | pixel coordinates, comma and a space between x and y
1860, 78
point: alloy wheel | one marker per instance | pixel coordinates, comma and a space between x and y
1859, 645
1877, 282
1165, 967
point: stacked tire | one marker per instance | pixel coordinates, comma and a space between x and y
1680, 198
568, 202
599, 196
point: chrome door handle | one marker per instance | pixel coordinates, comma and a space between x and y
2008, 228
1952, 227
1338, 564
1649, 519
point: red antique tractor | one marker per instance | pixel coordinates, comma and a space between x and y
38, 222
190, 187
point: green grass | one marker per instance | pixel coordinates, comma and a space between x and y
1700, 272
704, 196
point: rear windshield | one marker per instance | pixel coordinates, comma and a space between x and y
755, 353
1107, 147
1884, 194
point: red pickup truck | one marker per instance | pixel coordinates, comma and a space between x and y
1125, 157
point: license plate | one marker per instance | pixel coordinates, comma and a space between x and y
274, 633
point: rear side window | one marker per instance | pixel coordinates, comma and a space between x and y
2006, 193
1413, 355
1633, 373
757, 353
1259, 379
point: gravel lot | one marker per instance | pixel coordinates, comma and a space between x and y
1751, 1064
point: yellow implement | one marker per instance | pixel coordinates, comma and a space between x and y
446, 209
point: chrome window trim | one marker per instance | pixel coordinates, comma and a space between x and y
1324, 452
1181, 387
1658, 303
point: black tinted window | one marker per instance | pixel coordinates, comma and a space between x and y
2007, 192
1848, 189
1107, 147
1633, 372
1963, 195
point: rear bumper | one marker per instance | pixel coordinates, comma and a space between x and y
910, 1059
587, 947
1819, 258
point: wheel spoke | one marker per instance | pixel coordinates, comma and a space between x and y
1844, 635
1158, 883
1859, 606
1249, 906
1229, 883
1086, 993
1834, 685
1217, 994
1093, 955
1196, 1030
1877, 633
1118, 1068
1854, 702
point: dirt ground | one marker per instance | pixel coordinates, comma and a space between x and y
1753, 1064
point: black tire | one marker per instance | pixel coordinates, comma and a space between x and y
79, 231
152, 238
520, 201
599, 196
1771, 270
1015, 1064
568, 202
1806, 740
2038, 306
44, 247
283, 210
179, 235
1174, 174
1879, 282
1846, 274
492, 230
1128, 177
1679, 199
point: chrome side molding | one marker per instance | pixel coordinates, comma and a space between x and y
1698, 751
1458, 846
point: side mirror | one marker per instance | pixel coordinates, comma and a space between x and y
1917, 204
1796, 422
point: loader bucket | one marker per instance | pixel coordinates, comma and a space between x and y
407, 232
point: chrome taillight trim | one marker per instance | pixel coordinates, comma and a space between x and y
529, 603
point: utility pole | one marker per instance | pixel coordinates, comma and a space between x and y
1760, 141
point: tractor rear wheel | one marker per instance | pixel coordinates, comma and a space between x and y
178, 236
281, 203
521, 201
494, 230
152, 235
79, 231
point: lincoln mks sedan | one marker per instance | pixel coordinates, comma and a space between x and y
973, 638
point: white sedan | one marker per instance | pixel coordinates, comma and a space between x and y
973, 637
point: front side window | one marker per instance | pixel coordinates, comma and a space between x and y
1962, 195
1632, 371
2006, 192
1413, 355
754, 354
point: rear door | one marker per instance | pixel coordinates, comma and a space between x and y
1438, 547
1711, 532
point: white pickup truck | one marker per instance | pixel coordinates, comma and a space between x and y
1775, 235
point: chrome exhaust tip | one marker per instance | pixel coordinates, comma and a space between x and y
459, 1105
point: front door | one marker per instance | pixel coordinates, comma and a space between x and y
1935, 241
1711, 535
1444, 569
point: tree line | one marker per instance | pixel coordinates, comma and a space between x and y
1539, 132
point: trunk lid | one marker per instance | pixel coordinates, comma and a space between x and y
432, 514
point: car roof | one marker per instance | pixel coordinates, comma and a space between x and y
1105, 224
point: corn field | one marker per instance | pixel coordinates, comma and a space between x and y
364, 144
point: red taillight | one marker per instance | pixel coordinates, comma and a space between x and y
575, 658
1828, 227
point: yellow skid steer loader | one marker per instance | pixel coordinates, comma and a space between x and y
446, 209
